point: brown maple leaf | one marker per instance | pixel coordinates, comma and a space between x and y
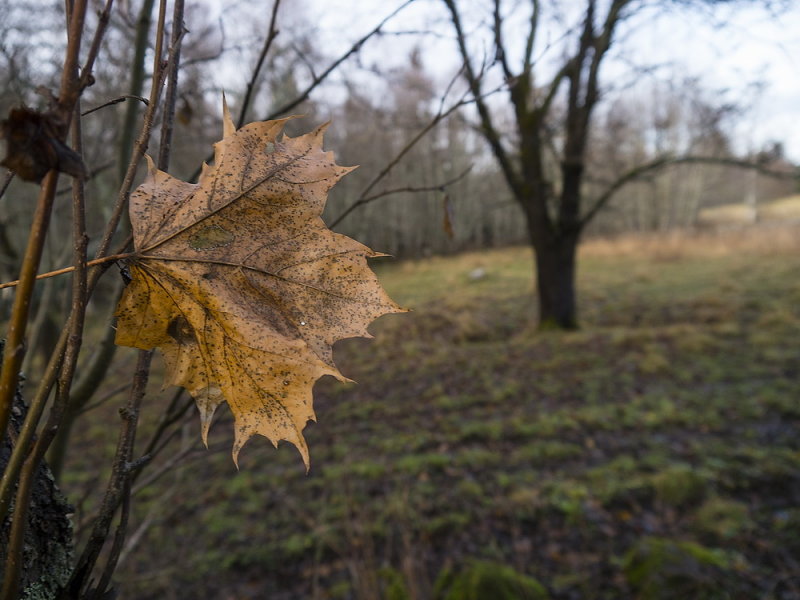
242, 286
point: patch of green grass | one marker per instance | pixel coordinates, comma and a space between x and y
722, 518
416, 464
679, 485
545, 451
481, 580
661, 568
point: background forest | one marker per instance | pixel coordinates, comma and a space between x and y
642, 445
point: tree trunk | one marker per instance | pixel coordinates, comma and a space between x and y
555, 280
46, 560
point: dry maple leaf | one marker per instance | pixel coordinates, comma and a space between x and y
241, 285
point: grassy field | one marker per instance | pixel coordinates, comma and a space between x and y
782, 210
652, 454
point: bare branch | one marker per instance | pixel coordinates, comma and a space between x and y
271, 35
530, 42
86, 73
413, 189
91, 175
126, 136
335, 64
6, 182
118, 485
116, 101
499, 46
171, 95
303, 96
663, 162
474, 81
364, 197
139, 148
174, 413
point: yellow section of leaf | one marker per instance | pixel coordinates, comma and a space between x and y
240, 284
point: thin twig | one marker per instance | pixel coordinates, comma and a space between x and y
37, 405
14, 348
415, 189
364, 197
271, 35
105, 397
127, 142
335, 64
80, 297
303, 96
153, 476
172, 415
92, 373
140, 147
6, 182
102, 23
117, 100
91, 175
171, 94
91, 263
117, 480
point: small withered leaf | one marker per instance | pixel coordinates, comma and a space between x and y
33, 146
240, 284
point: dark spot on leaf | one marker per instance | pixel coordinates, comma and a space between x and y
210, 237
180, 330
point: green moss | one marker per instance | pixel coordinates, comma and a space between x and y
340, 589
394, 586
478, 431
364, 470
446, 523
469, 489
678, 485
546, 451
652, 360
478, 457
722, 518
483, 580
664, 569
568, 497
414, 464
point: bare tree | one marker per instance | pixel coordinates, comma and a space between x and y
544, 161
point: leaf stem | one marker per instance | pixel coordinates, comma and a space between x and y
91, 263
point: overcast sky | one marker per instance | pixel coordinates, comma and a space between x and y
754, 57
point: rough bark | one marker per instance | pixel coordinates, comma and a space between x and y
555, 254
48, 536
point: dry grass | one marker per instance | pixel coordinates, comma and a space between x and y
727, 214
785, 210
764, 240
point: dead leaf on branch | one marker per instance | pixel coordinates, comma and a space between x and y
242, 286
33, 146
